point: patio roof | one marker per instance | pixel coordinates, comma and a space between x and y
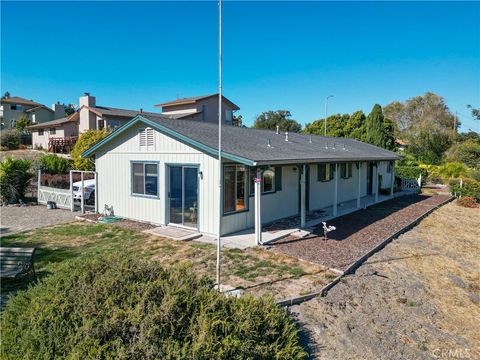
258, 147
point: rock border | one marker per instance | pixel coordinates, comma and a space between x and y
357, 263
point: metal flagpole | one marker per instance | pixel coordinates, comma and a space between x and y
219, 139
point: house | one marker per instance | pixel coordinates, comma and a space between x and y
200, 108
13, 108
61, 134
164, 171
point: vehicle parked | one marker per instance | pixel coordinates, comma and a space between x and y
88, 190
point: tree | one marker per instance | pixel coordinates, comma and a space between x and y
22, 123
15, 176
467, 152
85, 142
238, 121
270, 119
355, 127
337, 126
69, 109
378, 130
475, 112
6, 95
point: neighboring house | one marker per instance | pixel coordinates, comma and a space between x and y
200, 108
14, 107
65, 129
165, 171
61, 134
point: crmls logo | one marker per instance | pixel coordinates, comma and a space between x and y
451, 353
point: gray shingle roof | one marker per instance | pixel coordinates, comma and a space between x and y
110, 111
52, 123
252, 144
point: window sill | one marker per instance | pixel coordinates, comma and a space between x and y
236, 212
145, 196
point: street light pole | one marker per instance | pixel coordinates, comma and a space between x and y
326, 112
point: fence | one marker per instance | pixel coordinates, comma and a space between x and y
411, 184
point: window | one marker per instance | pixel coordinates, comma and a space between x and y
346, 170
144, 178
52, 131
234, 188
271, 180
324, 172
17, 107
101, 124
40, 132
228, 116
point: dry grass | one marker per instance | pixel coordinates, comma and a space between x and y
256, 270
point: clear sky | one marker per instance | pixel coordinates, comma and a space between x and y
277, 55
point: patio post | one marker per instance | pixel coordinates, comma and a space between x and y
359, 168
392, 175
258, 208
335, 191
302, 196
376, 182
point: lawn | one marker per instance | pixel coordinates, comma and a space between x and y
256, 270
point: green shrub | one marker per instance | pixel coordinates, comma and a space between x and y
54, 164
117, 307
467, 152
471, 187
15, 176
85, 142
410, 172
10, 139
468, 202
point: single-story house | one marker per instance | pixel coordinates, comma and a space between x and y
63, 128
164, 171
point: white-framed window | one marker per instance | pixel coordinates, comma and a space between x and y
234, 188
40, 132
144, 178
228, 116
346, 170
52, 131
324, 172
268, 180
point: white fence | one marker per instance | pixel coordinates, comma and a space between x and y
412, 184
62, 197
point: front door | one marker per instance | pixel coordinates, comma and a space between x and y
183, 194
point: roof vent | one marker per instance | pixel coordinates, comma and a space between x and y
333, 146
344, 148
286, 136
310, 139
269, 144
278, 129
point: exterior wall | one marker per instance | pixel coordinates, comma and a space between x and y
41, 115
113, 163
276, 205
209, 108
386, 177
9, 114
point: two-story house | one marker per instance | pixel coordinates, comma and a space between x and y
13, 108
201, 108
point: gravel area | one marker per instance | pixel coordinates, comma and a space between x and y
358, 232
20, 218
125, 223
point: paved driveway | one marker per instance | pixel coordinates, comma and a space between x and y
14, 219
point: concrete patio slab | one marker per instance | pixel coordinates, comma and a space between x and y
175, 233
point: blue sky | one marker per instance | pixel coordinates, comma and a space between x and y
277, 55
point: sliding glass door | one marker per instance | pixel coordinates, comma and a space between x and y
183, 195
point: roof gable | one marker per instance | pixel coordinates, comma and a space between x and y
19, 100
194, 99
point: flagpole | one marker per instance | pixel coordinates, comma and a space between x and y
219, 140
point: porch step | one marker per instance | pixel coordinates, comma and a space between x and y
175, 233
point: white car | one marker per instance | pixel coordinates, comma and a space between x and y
88, 190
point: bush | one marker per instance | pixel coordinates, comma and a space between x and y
468, 202
467, 152
10, 139
121, 308
471, 188
54, 164
15, 176
410, 172
85, 142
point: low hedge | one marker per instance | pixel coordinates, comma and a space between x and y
54, 164
410, 172
470, 187
117, 307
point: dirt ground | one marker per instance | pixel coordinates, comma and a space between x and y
28, 154
418, 298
